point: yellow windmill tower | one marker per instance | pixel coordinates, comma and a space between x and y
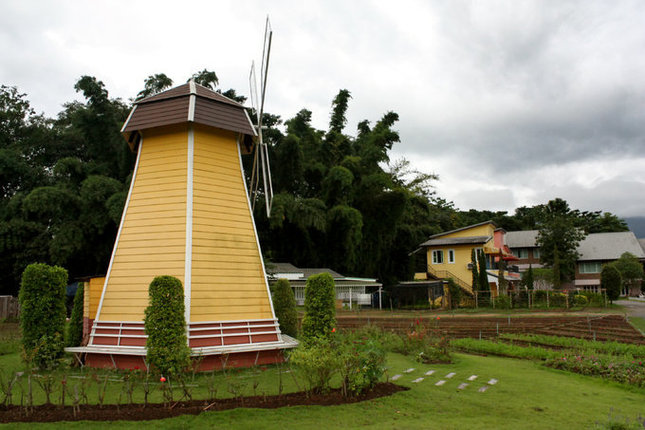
188, 214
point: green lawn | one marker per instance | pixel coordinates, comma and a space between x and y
527, 396
639, 323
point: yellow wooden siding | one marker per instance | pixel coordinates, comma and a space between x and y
93, 291
153, 238
227, 277
482, 230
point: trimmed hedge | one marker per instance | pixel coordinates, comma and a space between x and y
165, 325
75, 331
284, 304
320, 311
42, 313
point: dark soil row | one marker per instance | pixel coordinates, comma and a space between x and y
49, 413
608, 327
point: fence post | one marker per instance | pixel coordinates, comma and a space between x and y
476, 299
547, 299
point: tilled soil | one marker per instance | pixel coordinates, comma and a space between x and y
49, 413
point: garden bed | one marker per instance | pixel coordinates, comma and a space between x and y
139, 412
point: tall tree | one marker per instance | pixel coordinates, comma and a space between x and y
558, 239
631, 270
155, 84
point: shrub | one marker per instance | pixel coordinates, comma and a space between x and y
75, 331
611, 281
362, 363
594, 299
558, 300
42, 313
502, 302
581, 300
320, 313
284, 304
165, 326
427, 346
317, 361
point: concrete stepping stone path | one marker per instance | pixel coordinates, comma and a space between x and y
462, 386
483, 389
472, 378
440, 383
429, 372
410, 370
450, 375
493, 381
395, 377
418, 380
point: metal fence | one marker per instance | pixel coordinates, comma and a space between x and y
538, 299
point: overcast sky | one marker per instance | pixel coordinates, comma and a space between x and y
510, 103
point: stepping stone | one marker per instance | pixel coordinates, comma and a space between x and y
462, 386
418, 380
410, 370
450, 375
493, 381
472, 378
483, 389
395, 377
440, 383
429, 372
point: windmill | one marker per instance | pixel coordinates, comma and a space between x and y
189, 214
261, 154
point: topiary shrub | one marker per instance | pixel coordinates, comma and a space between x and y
165, 326
502, 302
581, 300
611, 281
320, 312
75, 330
42, 313
284, 304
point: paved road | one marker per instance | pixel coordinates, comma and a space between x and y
635, 308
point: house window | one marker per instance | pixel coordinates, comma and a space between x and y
437, 256
451, 256
590, 267
536, 252
521, 253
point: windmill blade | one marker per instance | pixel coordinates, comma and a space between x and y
261, 156
266, 53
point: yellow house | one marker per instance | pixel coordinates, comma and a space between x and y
449, 254
188, 215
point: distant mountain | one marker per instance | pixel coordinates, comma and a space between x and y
637, 225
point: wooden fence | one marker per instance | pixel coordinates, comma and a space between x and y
9, 307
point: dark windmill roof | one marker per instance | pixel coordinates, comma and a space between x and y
189, 102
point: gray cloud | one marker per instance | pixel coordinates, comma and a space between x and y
489, 93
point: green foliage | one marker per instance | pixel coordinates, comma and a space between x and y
581, 300
206, 78
165, 326
611, 281
317, 361
528, 279
483, 273
476, 286
320, 310
502, 302
155, 84
455, 293
362, 362
631, 270
75, 329
558, 238
42, 313
284, 304
425, 344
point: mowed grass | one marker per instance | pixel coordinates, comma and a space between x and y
527, 396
